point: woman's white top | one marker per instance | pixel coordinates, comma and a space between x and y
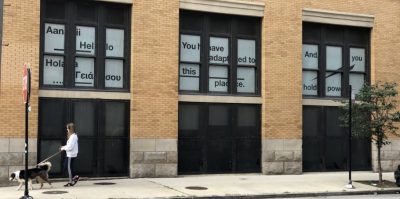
72, 146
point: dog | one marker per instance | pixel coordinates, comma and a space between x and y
40, 173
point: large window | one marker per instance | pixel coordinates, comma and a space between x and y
333, 58
85, 45
219, 54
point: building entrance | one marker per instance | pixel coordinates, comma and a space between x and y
325, 143
103, 132
219, 138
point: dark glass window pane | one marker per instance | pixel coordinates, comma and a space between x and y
85, 161
191, 21
310, 121
115, 14
188, 117
247, 26
115, 118
247, 116
52, 122
84, 118
333, 128
48, 148
115, 156
86, 12
334, 34
55, 9
220, 24
218, 115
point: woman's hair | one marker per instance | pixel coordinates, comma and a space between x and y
71, 127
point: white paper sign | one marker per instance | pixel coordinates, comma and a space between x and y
357, 59
190, 48
246, 52
114, 73
245, 80
54, 38
84, 71
310, 56
189, 77
53, 70
219, 50
218, 79
333, 85
333, 58
114, 42
356, 82
85, 40
310, 83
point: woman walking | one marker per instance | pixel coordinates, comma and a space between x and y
71, 148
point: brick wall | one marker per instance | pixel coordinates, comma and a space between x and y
21, 25
154, 74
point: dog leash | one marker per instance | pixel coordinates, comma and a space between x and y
49, 157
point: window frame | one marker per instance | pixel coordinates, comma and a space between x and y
205, 33
346, 43
71, 21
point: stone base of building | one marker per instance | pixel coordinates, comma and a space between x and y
153, 158
12, 156
390, 156
282, 156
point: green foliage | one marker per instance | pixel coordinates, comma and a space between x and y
374, 113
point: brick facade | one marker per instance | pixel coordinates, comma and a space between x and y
154, 74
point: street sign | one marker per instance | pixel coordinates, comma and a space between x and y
26, 80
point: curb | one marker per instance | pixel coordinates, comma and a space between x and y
290, 195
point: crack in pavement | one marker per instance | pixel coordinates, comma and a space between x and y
170, 188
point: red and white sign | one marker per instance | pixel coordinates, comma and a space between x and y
25, 83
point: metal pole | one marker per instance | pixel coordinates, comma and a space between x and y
350, 185
26, 193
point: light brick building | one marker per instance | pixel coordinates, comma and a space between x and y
151, 84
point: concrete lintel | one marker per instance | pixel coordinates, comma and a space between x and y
338, 18
225, 6
220, 99
118, 1
85, 94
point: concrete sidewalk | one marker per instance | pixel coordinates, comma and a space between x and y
228, 186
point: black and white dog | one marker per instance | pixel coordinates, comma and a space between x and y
40, 173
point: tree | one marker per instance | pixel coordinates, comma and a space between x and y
374, 115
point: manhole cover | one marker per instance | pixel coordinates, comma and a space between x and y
104, 183
55, 192
196, 188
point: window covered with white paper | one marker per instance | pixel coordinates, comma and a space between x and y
356, 82
310, 56
189, 77
190, 48
310, 83
114, 73
333, 58
246, 52
84, 72
333, 84
246, 80
114, 42
218, 79
85, 40
53, 70
54, 35
357, 59
219, 50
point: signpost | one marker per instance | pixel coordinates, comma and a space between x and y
26, 89
351, 96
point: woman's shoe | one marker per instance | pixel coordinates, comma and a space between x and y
75, 179
68, 184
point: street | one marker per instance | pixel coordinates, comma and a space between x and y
354, 196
